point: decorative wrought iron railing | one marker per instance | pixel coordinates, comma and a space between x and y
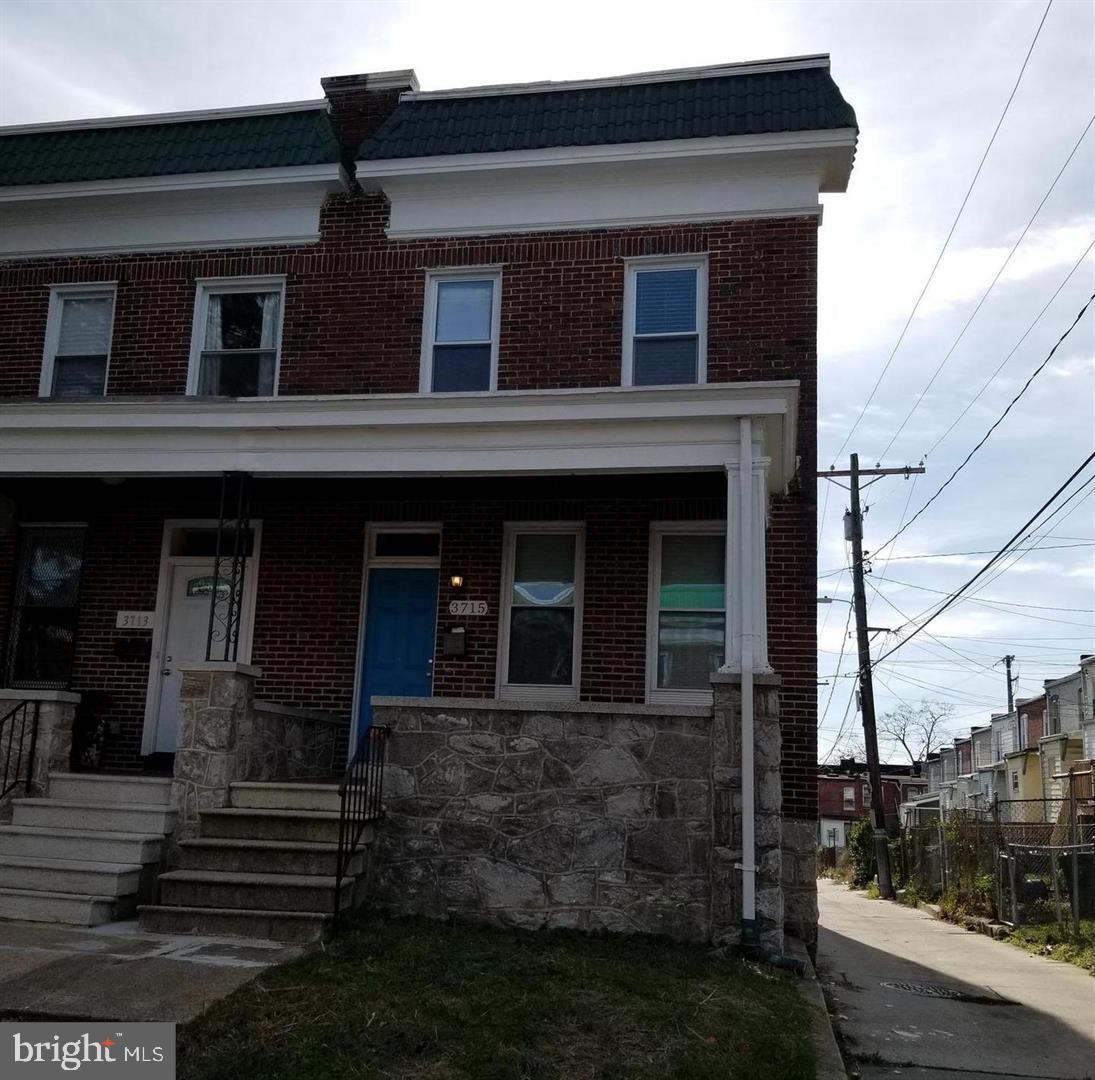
360, 802
229, 565
18, 740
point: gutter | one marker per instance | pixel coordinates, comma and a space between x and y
750, 938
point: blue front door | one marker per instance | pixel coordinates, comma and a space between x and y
400, 616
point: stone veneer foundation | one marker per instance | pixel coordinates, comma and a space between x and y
225, 735
52, 744
623, 818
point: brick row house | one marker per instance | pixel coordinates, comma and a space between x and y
844, 797
485, 418
1026, 764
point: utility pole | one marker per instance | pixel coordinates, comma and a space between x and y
854, 533
1011, 693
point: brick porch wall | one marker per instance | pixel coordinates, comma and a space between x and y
309, 586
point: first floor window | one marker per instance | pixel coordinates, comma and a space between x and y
78, 333
47, 590
460, 335
688, 608
239, 333
665, 318
542, 609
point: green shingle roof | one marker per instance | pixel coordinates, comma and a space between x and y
755, 103
251, 141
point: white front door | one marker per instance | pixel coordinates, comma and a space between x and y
190, 586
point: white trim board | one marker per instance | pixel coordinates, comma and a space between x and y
641, 429
649, 183
163, 220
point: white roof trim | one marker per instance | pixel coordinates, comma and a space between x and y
659, 429
750, 67
829, 139
143, 119
138, 185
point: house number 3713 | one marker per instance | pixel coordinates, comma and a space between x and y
467, 607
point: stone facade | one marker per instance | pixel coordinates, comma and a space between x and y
598, 817
287, 743
225, 735
53, 742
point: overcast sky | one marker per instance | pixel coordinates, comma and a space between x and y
928, 82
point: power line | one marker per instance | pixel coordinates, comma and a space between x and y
950, 234
999, 420
956, 554
998, 603
999, 555
1015, 348
840, 660
985, 295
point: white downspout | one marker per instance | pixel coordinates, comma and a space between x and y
744, 536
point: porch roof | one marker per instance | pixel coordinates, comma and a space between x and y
611, 430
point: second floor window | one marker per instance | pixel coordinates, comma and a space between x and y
237, 338
665, 316
460, 332
78, 332
849, 798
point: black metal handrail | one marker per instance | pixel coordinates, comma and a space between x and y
18, 727
360, 801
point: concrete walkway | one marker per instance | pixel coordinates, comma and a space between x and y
1029, 1017
116, 972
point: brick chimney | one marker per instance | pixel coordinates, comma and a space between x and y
359, 104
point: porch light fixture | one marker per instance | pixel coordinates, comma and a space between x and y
457, 581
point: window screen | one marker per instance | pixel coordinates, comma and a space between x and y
463, 335
83, 346
665, 348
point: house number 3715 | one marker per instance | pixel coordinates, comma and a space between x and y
467, 607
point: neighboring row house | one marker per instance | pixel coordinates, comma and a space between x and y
844, 796
1023, 757
483, 416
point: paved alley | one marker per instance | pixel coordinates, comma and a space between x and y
893, 973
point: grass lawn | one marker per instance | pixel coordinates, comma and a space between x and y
409, 998
1059, 942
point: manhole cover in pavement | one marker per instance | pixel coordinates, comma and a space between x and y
948, 993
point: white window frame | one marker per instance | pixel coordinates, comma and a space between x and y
665, 262
846, 799
207, 287
58, 294
656, 695
531, 692
429, 323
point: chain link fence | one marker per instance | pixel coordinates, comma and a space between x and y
1026, 861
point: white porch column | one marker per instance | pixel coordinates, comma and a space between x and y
746, 522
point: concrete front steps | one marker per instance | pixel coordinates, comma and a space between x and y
263, 867
88, 853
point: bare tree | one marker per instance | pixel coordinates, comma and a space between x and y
919, 731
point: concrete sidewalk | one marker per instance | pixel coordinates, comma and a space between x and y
116, 972
892, 972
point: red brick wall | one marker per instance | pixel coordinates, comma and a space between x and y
353, 310
353, 325
830, 791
